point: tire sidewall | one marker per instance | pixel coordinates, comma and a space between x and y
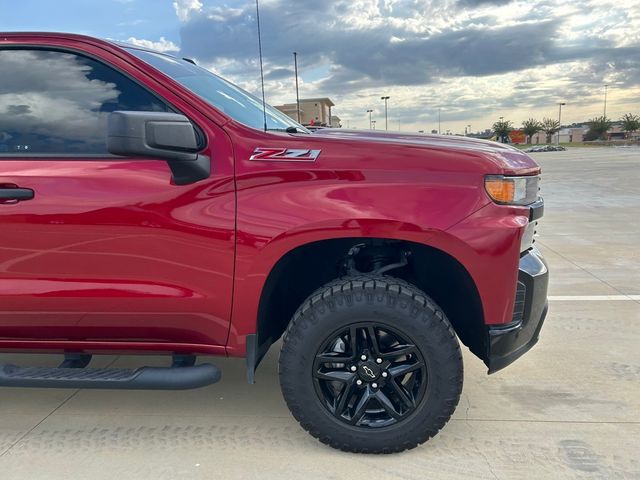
421, 323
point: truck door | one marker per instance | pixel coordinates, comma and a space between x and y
99, 248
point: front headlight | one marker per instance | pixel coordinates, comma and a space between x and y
512, 190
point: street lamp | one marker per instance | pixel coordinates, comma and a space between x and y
560, 104
369, 112
373, 122
605, 100
386, 123
438, 120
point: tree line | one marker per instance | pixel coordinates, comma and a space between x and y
598, 127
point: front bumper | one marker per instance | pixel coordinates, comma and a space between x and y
506, 343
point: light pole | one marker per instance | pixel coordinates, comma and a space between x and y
386, 123
369, 112
605, 100
373, 122
465, 130
438, 120
560, 104
295, 64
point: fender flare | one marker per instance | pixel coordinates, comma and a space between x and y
254, 266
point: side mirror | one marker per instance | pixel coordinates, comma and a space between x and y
166, 136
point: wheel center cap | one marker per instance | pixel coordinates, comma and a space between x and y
368, 371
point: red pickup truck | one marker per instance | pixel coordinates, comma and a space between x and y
148, 206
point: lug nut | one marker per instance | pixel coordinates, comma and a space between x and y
358, 382
374, 385
385, 374
353, 368
363, 357
378, 360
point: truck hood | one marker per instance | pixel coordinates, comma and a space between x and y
511, 160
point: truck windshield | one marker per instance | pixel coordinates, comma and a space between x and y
226, 97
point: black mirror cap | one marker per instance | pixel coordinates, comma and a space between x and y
168, 136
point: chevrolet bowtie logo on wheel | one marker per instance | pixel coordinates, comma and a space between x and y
368, 371
285, 154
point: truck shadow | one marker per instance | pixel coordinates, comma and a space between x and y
230, 414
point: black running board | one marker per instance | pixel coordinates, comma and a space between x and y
145, 378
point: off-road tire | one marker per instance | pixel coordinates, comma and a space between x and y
387, 301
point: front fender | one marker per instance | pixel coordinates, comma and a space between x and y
284, 205
255, 261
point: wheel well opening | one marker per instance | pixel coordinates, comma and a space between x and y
306, 268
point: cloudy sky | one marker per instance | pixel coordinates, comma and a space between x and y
475, 60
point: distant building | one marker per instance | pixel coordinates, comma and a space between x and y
570, 135
313, 111
616, 133
567, 135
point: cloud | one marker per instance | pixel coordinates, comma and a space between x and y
468, 52
186, 8
385, 52
162, 45
279, 74
437, 51
483, 3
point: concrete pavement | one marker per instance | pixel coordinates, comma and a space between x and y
570, 408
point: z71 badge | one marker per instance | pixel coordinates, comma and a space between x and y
285, 154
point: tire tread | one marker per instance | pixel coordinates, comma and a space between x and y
397, 290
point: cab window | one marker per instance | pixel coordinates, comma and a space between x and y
56, 102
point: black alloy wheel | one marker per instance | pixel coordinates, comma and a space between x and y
370, 375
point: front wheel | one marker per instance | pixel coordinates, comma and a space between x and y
370, 364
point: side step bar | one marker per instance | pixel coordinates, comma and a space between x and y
144, 378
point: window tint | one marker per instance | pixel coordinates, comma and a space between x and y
54, 102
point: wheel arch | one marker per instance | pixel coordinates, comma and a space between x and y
307, 266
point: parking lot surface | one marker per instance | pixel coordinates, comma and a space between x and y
570, 408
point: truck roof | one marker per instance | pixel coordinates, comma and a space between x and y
73, 36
